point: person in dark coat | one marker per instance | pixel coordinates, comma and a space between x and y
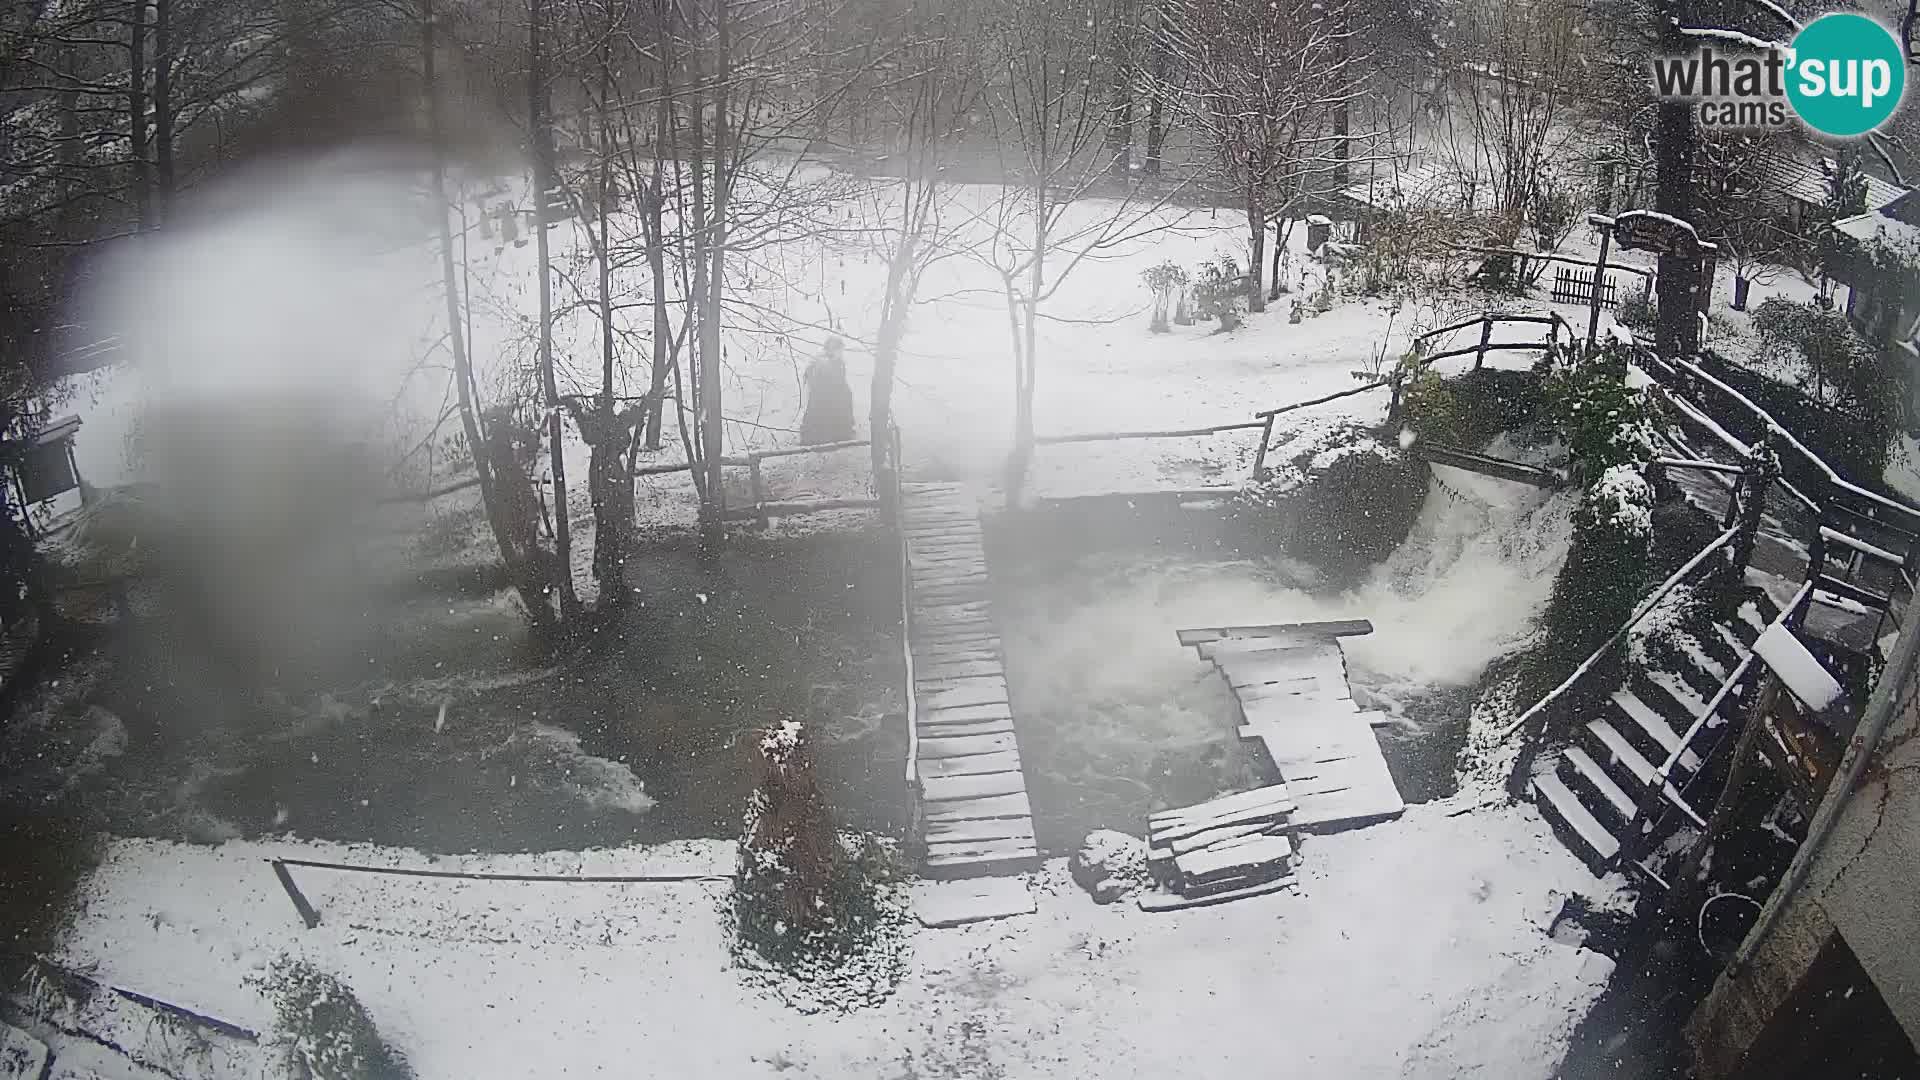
829, 413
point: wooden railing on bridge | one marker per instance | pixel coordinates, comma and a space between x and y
1487, 322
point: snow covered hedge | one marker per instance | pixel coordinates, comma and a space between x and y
1605, 421
1470, 410
1341, 503
324, 1030
1605, 575
823, 912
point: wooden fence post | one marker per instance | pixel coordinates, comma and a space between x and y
1599, 282
307, 914
1260, 456
1486, 338
759, 496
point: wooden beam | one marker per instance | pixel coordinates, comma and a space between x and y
1499, 468
1331, 629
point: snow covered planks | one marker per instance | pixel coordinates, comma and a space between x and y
1290, 681
956, 903
975, 815
1226, 846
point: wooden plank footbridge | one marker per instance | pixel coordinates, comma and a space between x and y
963, 759
1290, 684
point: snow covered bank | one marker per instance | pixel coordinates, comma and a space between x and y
1413, 949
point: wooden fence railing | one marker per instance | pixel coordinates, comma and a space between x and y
759, 508
1486, 344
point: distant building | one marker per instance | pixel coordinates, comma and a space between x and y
1882, 301
41, 470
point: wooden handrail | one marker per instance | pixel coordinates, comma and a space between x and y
1639, 613
1911, 514
1550, 257
1323, 400
1733, 443
1491, 346
1114, 436
1663, 776
1703, 464
1835, 536
1545, 320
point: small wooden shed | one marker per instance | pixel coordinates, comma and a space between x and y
41, 467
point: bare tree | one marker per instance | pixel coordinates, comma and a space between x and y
1509, 95
1267, 83
520, 564
1048, 100
943, 55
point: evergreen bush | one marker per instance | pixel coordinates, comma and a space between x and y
324, 1030
1341, 505
807, 903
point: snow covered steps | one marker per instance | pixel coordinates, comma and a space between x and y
1220, 850
974, 813
1593, 790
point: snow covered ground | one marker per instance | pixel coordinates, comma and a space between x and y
1411, 949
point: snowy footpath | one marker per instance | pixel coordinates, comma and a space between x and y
1410, 949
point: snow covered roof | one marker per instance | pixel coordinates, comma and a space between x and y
1876, 225
1806, 181
1413, 184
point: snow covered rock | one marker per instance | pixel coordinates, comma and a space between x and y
1109, 865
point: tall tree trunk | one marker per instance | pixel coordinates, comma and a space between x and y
541, 133
697, 359
163, 104
656, 235
68, 154
1342, 152
713, 428
1257, 238
1120, 126
1156, 128
525, 581
886, 350
137, 114
1276, 281
1026, 349
1677, 333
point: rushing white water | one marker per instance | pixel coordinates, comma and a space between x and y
1116, 715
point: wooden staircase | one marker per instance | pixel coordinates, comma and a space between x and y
1592, 790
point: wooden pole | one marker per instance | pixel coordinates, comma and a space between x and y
1486, 338
1599, 280
1686, 886
1260, 456
307, 914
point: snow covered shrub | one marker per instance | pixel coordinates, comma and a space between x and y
1854, 435
1109, 865
1636, 311
1606, 573
1164, 281
1551, 214
1604, 421
323, 1029
1844, 370
806, 903
1341, 504
1218, 291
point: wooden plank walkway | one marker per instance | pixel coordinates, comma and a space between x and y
1291, 684
975, 816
